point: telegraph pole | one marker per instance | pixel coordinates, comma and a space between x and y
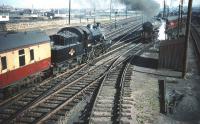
164, 9
179, 14
94, 15
181, 11
69, 11
126, 9
110, 9
94, 11
187, 33
115, 20
126, 12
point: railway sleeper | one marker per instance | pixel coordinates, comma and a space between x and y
3, 116
8, 111
102, 113
62, 112
49, 105
53, 102
51, 121
103, 109
27, 99
104, 106
19, 103
127, 93
101, 120
126, 106
79, 85
107, 97
105, 101
41, 110
127, 115
56, 117
35, 95
36, 92
33, 115
14, 107
127, 98
62, 96
32, 97
65, 108
125, 120
26, 120
128, 111
77, 88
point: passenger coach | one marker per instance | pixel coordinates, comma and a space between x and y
23, 57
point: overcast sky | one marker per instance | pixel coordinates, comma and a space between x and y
101, 4
76, 4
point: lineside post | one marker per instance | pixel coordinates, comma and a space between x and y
69, 11
187, 36
161, 84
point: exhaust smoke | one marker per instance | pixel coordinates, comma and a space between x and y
149, 7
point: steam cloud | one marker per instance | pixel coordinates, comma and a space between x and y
99, 4
149, 7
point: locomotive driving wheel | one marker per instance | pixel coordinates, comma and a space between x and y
84, 58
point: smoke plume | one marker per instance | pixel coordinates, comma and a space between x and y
149, 7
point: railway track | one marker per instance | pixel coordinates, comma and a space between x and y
195, 35
54, 116
68, 73
128, 36
19, 106
112, 101
110, 26
11, 109
123, 30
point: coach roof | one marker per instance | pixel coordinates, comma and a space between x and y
12, 40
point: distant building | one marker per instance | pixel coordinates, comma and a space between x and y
4, 17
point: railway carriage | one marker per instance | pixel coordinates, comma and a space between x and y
172, 22
24, 56
172, 26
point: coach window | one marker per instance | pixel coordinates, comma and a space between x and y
3, 63
31, 54
21, 57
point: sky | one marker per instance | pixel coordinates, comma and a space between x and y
76, 4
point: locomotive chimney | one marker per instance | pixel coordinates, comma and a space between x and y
90, 26
98, 25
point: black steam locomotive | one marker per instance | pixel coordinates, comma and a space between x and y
75, 45
149, 32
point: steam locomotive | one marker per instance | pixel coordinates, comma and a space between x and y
149, 32
75, 45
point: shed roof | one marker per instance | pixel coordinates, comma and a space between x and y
13, 40
172, 42
172, 18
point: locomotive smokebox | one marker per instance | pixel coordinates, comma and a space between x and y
147, 27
